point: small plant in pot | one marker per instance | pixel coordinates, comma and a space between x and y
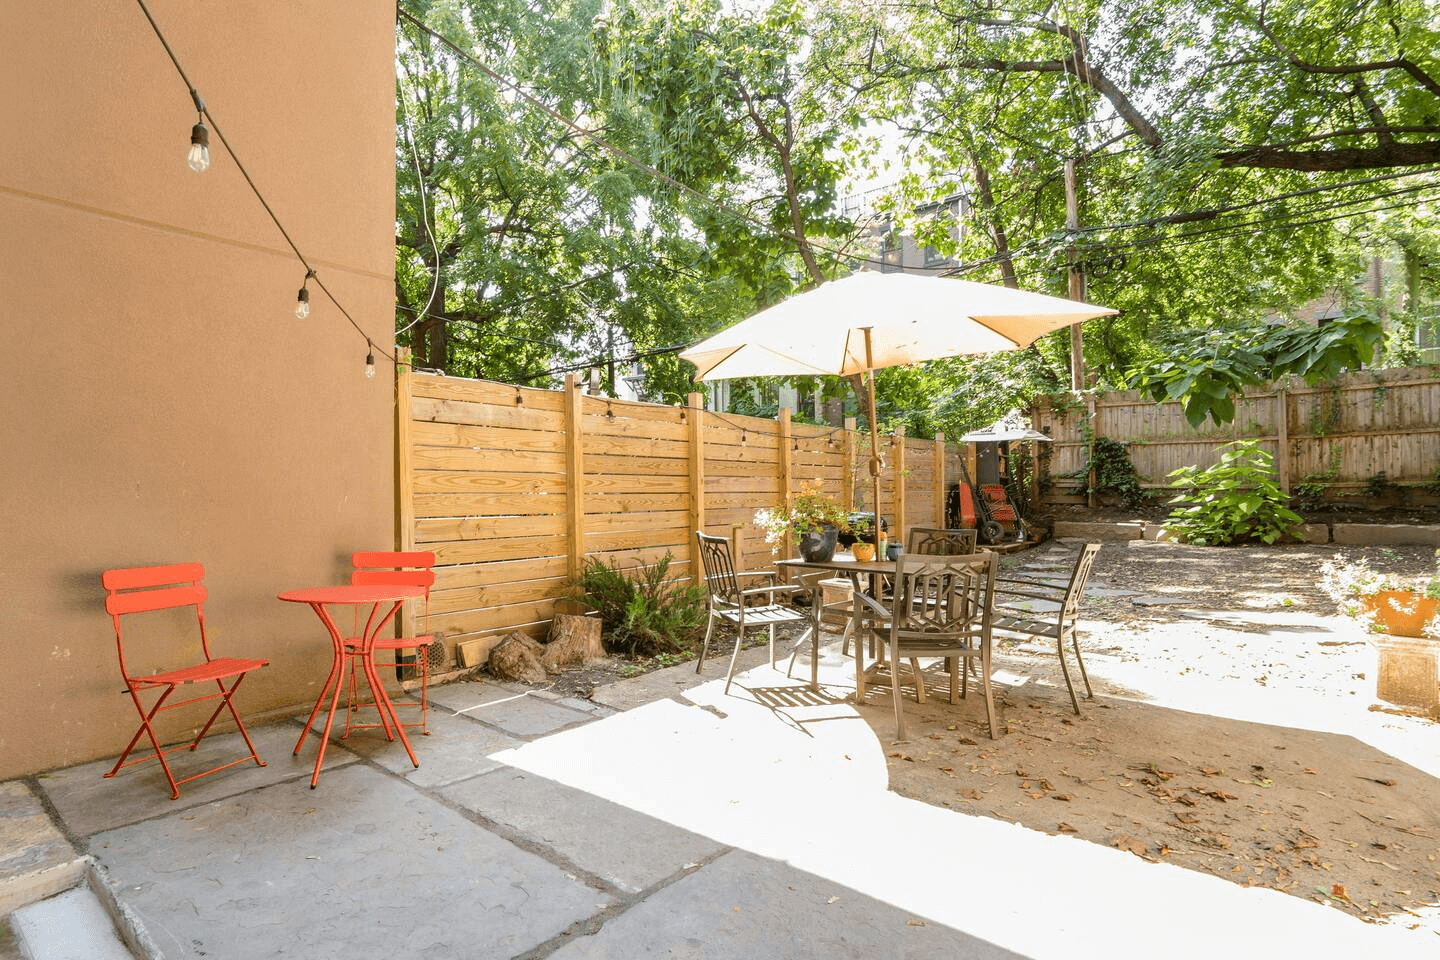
1396, 605
813, 521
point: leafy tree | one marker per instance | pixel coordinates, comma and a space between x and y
523, 248
1205, 372
1200, 131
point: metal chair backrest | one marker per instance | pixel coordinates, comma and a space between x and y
719, 567
937, 541
396, 568
1075, 591
145, 589
938, 595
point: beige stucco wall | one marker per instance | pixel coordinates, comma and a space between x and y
161, 401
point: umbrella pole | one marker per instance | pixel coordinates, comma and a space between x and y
874, 436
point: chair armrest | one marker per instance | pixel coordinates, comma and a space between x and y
1032, 589
756, 573
770, 591
874, 606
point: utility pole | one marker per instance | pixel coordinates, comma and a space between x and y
1077, 278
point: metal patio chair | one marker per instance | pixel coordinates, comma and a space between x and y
1028, 607
391, 568
137, 590
736, 607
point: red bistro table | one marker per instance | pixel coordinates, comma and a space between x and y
319, 598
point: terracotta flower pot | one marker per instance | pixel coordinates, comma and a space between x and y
1401, 613
863, 550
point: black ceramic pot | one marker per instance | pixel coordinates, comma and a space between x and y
818, 546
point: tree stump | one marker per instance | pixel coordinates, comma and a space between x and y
574, 641
517, 657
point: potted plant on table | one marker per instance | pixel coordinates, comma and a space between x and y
812, 520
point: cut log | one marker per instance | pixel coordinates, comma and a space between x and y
574, 641
517, 657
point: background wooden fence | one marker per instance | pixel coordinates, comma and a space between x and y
1339, 437
513, 488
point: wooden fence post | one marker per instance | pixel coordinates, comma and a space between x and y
696, 414
937, 455
1090, 452
1282, 438
784, 461
848, 470
574, 478
898, 469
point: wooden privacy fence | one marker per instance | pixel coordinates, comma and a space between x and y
514, 488
1338, 436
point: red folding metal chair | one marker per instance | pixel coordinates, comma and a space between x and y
147, 589
390, 568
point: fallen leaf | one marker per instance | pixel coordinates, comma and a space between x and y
1216, 794
1046, 784
1035, 795
1383, 783
947, 769
1123, 841
1211, 771
1185, 817
1066, 828
1337, 890
915, 923
1061, 796
970, 793
832, 899
1312, 773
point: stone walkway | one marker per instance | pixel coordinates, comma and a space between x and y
663, 820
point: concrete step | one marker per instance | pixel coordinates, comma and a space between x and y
71, 926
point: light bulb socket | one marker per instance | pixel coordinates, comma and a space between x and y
200, 135
303, 296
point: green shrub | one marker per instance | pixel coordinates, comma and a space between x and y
1236, 499
1114, 473
645, 612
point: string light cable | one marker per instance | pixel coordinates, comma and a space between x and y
206, 114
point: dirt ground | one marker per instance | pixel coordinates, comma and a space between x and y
1316, 815
1313, 814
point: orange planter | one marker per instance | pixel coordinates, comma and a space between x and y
863, 550
1401, 613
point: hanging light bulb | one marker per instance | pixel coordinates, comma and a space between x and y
302, 299
199, 156
198, 159
369, 360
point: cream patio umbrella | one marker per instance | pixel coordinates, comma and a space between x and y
867, 321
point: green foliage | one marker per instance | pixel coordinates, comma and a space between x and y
1114, 473
1309, 493
1206, 369
647, 613
1236, 499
